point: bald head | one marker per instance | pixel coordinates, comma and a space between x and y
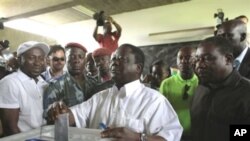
231, 25
235, 31
243, 18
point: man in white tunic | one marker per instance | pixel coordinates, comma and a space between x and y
21, 92
131, 110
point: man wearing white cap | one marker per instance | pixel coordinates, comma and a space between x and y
22, 91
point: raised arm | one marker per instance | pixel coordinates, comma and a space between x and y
9, 118
95, 32
117, 26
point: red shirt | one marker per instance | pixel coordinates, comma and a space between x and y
109, 41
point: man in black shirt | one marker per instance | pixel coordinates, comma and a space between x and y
222, 97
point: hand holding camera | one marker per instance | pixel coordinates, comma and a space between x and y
110, 19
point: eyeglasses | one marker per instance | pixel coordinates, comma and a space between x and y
56, 59
185, 94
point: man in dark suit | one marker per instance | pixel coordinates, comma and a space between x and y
236, 31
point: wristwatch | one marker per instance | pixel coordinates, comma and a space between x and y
143, 137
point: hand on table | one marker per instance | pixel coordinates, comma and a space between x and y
121, 134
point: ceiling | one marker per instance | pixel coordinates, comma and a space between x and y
58, 12
143, 22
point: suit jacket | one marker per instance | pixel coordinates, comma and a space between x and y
245, 65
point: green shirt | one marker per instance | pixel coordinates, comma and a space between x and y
173, 89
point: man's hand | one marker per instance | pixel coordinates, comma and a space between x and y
110, 19
56, 109
121, 134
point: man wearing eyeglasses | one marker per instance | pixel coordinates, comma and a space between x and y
179, 88
56, 61
74, 86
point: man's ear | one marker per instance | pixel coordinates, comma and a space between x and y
243, 36
229, 58
139, 68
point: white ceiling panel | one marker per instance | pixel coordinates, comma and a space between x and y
64, 16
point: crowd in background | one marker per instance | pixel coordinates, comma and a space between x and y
208, 93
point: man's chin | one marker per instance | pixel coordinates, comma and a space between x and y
35, 74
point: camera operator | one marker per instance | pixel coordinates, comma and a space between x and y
108, 39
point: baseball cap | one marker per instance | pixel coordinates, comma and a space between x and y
32, 44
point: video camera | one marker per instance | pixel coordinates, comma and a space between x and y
220, 16
100, 18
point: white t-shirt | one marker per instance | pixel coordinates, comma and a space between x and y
134, 106
20, 91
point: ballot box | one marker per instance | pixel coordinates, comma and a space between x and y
46, 133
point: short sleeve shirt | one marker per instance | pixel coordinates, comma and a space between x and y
20, 91
173, 89
109, 41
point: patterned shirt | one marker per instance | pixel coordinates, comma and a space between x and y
68, 90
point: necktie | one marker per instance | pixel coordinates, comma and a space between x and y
236, 64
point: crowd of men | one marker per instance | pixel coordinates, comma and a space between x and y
209, 92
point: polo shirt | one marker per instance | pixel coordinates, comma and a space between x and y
20, 91
173, 88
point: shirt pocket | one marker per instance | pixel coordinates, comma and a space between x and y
134, 124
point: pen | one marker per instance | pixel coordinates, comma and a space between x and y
102, 126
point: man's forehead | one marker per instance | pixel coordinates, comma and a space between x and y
206, 48
122, 51
231, 25
34, 50
102, 57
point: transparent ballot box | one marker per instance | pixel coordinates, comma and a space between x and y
46, 133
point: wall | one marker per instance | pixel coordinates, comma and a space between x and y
17, 37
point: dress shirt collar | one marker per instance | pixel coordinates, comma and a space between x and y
23, 77
194, 77
128, 88
242, 55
